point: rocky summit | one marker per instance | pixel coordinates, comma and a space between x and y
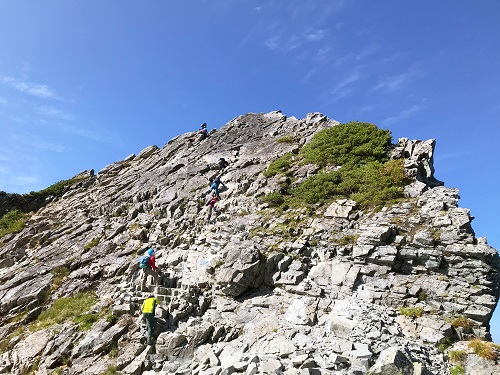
270, 283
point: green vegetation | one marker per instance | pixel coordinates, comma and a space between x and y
55, 189
483, 348
273, 199
461, 321
12, 222
288, 139
94, 242
412, 312
348, 240
111, 318
457, 370
280, 165
457, 356
60, 273
364, 174
353, 144
422, 296
85, 321
371, 185
68, 308
112, 370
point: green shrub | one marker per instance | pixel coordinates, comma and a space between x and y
353, 143
412, 312
372, 185
280, 165
422, 296
68, 308
12, 222
273, 199
55, 189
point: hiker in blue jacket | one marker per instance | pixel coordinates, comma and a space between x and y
215, 186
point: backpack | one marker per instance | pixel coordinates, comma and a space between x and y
144, 262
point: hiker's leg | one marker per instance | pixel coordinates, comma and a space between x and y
150, 272
150, 325
144, 279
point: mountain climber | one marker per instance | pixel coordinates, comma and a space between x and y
215, 186
203, 131
211, 206
223, 163
148, 312
148, 265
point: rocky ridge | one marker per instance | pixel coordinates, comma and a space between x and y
257, 290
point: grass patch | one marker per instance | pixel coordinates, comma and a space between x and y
12, 222
457, 370
68, 308
93, 243
281, 165
288, 139
457, 356
482, 348
85, 321
461, 321
60, 273
412, 312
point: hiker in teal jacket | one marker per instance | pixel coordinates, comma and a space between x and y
215, 186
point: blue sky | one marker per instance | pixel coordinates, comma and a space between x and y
87, 83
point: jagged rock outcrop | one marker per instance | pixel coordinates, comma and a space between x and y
334, 290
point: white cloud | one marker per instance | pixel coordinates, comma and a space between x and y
54, 112
41, 91
393, 83
403, 114
342, 89
314, 36
3, 101
272, 43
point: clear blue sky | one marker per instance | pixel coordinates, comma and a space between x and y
87, 83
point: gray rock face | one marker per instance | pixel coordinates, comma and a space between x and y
327, 289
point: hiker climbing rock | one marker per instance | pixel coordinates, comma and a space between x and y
211, 206
148, 312
203, 132
215, 186
223, 163
148, 265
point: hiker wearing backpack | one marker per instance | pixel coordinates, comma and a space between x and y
215, 186
148, 265
211, 206
148, 312
222, 164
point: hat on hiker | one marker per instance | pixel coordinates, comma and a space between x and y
151, 251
